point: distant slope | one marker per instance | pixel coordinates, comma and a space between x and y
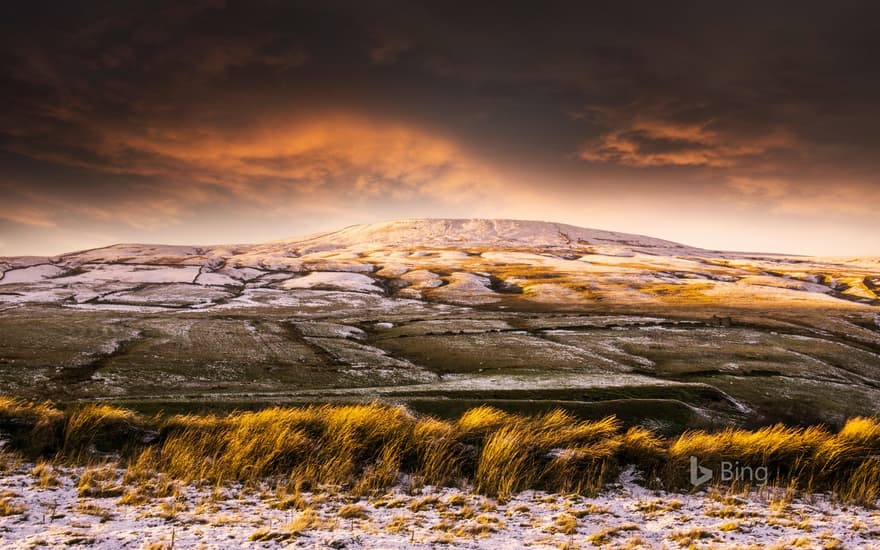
514, 263
480, 232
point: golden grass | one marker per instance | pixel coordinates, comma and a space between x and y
31, 427
100, 482
93, 509
604, 535
367, 448
354, 511
689, 536
45, 475
10, 508
554, 451
100, 428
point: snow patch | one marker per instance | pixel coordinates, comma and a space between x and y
350, 282
30, 274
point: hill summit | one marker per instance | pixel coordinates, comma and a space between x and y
464, 232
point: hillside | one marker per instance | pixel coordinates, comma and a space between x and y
447, 314
456, 261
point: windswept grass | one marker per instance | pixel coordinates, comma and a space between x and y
367, 448
31, 427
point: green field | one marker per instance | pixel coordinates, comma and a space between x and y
673, 368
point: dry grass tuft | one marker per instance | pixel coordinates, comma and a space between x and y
45, 475
32, 428
92, 509
688, 537
604, 535
354, 511
96, 429
100, 482
10, 508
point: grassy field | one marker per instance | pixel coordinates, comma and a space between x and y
667, 368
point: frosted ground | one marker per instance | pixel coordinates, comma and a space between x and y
44, 515
468, 262
445, 314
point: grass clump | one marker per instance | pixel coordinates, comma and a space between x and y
354, 511
45, 475
100, 482
604, 535
101, 429
32, 428
8, 507
555, 452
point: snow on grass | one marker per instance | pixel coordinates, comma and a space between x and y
782, 282
466, 288
31, 274
477, 232
172, 295
95, 273
330, 302
213, 278
141, 254
392, 270
552, 263
548, 292
328, 330
350, 282
421, 279
36, 293
56, 515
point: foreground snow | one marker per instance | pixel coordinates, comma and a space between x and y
627, 515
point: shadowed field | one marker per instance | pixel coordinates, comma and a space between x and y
666, 368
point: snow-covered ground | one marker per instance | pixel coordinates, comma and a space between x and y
352, 282
47, 511
468, 262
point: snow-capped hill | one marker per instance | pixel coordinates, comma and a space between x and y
137, 254
497, 233
454, 261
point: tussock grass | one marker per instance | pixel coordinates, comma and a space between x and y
95, 429
554, 451
10, 508
100, 482
45, 475
603, 536
367, 448
32, 428
354, 511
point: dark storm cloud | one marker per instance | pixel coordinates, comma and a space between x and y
175, 104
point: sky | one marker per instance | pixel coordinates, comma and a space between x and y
739, 126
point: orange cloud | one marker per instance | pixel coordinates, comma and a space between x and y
328, 154
650, 142
282, 165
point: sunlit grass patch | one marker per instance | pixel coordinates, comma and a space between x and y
354, 511
9, 507
606, 534
92, 509
688, 537
365, 449
100, 482
45, 475
31, 427
101, 428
